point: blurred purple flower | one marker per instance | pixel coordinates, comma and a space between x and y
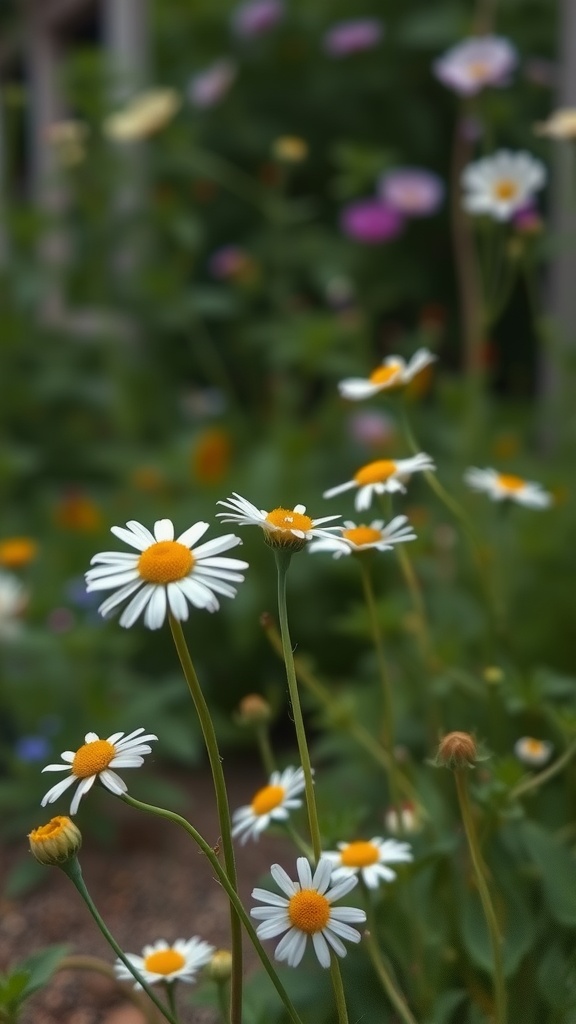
257, 17
372, 428
211, 85
370, 221
471, 65
528, 220
31, 749
353, 36
227, 262
76, 593
412, 191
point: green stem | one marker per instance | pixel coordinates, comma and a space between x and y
338, 990
266, 754
382, 967
93, 963
460, 777
223, 810
171, 996
282, 564
527, 785
223, 1001
298, 841
224, 880
72, 869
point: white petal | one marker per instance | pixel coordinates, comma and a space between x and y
156, 611
332, 491
217, 545
140, 540
113, 782
291, 947
199, 594
304, 872
84, 787
110, 580
192, 534
115, 599
136, 606
269, 897
270, 929
163, 530
57, 790
177, 602
321, 949
283, 880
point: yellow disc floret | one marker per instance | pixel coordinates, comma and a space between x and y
309, 911
286, 519
360, 535
55, 842
533, 747
375, 472
164, 961
386, 375
359, 854
92, 758
510, 482
267, 799
505, 189
165, 562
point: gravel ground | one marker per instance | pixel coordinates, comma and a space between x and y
154, 884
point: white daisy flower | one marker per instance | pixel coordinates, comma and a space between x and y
502, 184
166, 573
533, 752
370, 859
377, 536
384, 475
503, 486
403, 820
560, 125
283, 527
162, 961
394, 372
13, 601
271, 803
307, 911
94, 760
475, 63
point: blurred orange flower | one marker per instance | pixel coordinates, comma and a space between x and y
76, 511
211, 456
147, 478
17, 551
505, 446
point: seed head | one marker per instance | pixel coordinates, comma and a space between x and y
457, 750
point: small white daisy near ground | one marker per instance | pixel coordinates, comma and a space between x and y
283, 527
166, 573
162, 961
502, 184
384, 475
358, 538
307, 911
533, 752
393, 373
369, 859
506, 486
271, 803
94, 760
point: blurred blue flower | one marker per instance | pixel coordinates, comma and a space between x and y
31, 749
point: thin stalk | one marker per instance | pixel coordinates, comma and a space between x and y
265, 749
170, 989
298, 841
233, 896
224, 1001
282, 563
532, 783
94, 963
382, 967
480, 873
338, 990
211, 742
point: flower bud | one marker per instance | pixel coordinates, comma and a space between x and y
56, 842
457, 750
219, 968
253, 710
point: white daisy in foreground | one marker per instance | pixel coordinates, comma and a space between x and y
166, 574
355, 539
394, 372
94, 760
283, 527
506, 486
384, 475
533, 752
271, 803
502, 184
161, 961
306, 911
369, 859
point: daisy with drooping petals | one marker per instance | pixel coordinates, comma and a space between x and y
533, 752
384, 475
94, 760
271, 803
355, 539
166, 574
394, 372
502, 184
369, 859
307, 911
283, 527
506, 486
475, 63
162, 961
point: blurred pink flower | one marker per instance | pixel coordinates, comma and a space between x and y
412, 191
528, 220
227, 261
371, 428
211, 85
353, 36
257, 17
475, 63
370, 221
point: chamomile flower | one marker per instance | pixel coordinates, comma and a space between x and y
477, 62
162, 961
166, 573
369, 859
506, 486
533, 752
502, 184
394, 372
94, 760
355, 539
307, 911
283, 527
271, 803
384, 475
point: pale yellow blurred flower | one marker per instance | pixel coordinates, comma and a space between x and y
67, 139
290, 149
560, 125
143, 115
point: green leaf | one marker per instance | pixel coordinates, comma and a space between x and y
557, 872
556, 978
517, 923
445, 1006
23, 877
40, 967
12, 988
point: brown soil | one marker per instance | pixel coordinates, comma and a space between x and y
154, 883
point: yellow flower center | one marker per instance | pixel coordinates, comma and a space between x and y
362, 535
505, 189
164, 961
286, 519
478, 70
92, 758
532, 746
510, 482
165, 562
375, 472
50, 831
17, 551
359, 855
386, 374
267, 799
309, 911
